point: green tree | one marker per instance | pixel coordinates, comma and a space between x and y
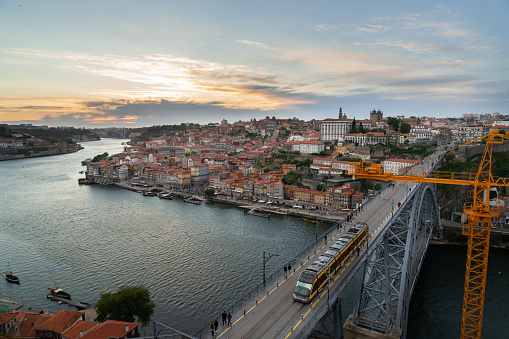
292, 178
100, 157
405, 127
354, 127
126, 305
360, 129
393, 122
209, 192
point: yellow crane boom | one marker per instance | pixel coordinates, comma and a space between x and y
477, 226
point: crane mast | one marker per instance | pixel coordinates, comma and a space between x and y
476, 226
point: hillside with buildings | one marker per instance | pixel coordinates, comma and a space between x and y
283, 160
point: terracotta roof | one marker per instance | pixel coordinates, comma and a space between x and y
81, 326
28, 322
6, 317
109, 329
61, 321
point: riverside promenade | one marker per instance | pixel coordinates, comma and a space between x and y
312, 215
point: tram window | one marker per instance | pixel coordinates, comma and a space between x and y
303, 288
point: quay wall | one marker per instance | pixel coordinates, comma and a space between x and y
450, 231
451, 234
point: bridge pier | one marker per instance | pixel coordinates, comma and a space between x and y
353, 331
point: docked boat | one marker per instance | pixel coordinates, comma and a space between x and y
84, 181
11, 277
166, 196
58, 292
86, 161
83, 305
149, 193
192, 200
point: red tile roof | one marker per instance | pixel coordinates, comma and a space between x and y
80, 327
111, 328
61, 321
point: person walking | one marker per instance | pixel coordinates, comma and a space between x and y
216, 324
224, 317
289, 269
326, 238
285, 269
212, 329
229, 319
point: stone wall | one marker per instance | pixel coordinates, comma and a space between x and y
451, 234
465, 152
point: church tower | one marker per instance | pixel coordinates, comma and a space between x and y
341, 116
376, 116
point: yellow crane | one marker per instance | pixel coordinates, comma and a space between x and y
477, 225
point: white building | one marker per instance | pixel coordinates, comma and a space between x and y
468, 133
335, 129
305, 147
396, 166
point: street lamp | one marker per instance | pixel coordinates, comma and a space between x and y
265, 259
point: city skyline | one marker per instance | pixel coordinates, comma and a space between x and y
128, 63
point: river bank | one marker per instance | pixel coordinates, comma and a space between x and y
6, 157
282, 209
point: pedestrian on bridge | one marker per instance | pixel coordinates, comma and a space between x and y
289, 268
216, 324
326, 238
285, 269
229, 319
212, 329
224, 317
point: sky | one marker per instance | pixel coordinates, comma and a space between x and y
114, 63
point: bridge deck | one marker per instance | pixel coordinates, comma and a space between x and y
272, 313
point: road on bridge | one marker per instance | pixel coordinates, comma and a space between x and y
274, 314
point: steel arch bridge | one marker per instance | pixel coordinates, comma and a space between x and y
393, 263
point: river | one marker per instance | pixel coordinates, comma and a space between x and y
195, 260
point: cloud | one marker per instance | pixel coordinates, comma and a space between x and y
373, 28
325, 27
257, 45
409, 46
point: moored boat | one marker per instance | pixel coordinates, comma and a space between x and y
83, 305
58, 292
149, 193
165, 196
11, 277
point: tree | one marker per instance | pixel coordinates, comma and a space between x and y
126, 305
210, 192
100, 157
393, 122
405, 127
354, 128
360, 129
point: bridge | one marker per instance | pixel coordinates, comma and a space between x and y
401, 219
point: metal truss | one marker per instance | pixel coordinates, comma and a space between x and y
393, 264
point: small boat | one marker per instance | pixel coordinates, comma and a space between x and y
86, 161
149, 193
11, 277
82, 305
84, 181
166, 196
193, 200
58, 292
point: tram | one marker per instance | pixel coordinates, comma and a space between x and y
314, 277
